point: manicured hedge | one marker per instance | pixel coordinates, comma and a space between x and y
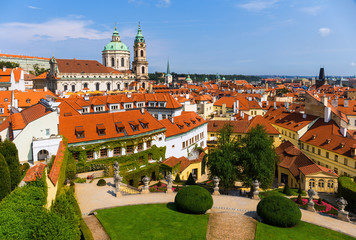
193, 199
5, 180
347, 190
279, 211
101, 182
9, 151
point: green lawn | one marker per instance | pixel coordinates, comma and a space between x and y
279, 192
302, 231
152, 221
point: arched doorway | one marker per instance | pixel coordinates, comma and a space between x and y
42, 155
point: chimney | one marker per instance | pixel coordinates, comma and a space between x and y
275, 105
142, 110
346, 103
327, 114
324, 100
45, 89
4, 68
343, 131
171, 119
304, 116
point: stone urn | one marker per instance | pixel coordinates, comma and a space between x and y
342, 214
169, 179
216, 181
146, 181
256, 187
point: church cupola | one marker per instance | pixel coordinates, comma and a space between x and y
140, 64
139, 37
115, 36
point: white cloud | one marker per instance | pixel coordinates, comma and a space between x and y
258, 5
353, 64
53, 30
311, 10
33, 7
324, 31
163, 3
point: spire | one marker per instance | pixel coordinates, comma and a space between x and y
139, 36
322, 74
115, 35
168, 68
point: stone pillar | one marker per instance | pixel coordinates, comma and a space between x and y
256, 187
117, 179
145, 188
311, 194
169, 179
216, 181
342, 214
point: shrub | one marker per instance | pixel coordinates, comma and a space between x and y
279, 211
24, 167
177, 179
193, 199
300, 200
5, 181
190, 180
101, 182
320, 201
80, 180
286, 190
9, 151
347, 190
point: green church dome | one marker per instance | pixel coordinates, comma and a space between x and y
116, 46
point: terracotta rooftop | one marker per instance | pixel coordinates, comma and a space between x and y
34, 173
183, 161
57, 164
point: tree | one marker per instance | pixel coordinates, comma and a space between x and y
190, 180
9, 151
222, 161
5, 180
8, 64
38, 70
286, 190
257, 157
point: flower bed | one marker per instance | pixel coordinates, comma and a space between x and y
162, 188
325, 207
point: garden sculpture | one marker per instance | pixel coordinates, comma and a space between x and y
256, 187
342, 214
146, 181
311, 194
169, 179
216, 181
117, 179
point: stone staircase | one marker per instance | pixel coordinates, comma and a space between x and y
128, 190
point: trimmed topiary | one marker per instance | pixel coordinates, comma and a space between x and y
279, 211
101, 182
190, 180
5, 180
300, 200
9, 151
286, 190
177, 179
193, 199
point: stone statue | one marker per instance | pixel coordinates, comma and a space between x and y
216, 181
342, 214
311, 194
117, 179
169, 179
146, 181
256, 187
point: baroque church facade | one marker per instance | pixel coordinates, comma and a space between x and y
114, 73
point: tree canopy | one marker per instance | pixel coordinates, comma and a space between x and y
5, 181
9, 151
8, 64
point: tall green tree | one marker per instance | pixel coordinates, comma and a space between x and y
5, 180
8, 64
222, 161
9, 151
257, 158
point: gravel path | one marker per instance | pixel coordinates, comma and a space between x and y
96, 228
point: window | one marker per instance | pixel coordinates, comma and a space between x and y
97, 85
336, 157
336, 170
271, 137
1, 110
307, 147
302, 145
120, 127
108, 86
122, 62
156, 116
130, 149
141, 53
75, 155
48, 132
100, 128
321, 183
112, 62
212, 135
327, 154
164, 116
136, 53
161, 104
73, 88
103, 152
118, 86
90, 155
85, 85
149, 144
311, 183
28, 100
140, 147
143, 69
134, 126
319, 152
313, 149
345, 161
65, 87
330, 184
117, 151
114, 107
293, 136
79, 132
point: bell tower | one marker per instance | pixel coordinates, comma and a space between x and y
140, 64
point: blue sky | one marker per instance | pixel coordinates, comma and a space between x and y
287, 37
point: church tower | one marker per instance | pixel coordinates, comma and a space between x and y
168, 77
140, 64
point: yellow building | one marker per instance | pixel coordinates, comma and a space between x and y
239, 129
296, 169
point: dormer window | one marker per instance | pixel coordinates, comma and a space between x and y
100, 128
314, 136
180, 125
193, 121
79, 132
342, 145
28, 100
187, 123
120, 128
161, 104
1, 110
6, 100
144, 123
134, 125
328, 140
152, 104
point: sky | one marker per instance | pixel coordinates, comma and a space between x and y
252, 37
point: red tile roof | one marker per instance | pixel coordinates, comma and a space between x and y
21, 56
57, 164
34, 173
81, 66
183, 161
